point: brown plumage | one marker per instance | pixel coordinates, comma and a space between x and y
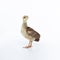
33, 33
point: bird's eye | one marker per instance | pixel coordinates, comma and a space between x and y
24, 17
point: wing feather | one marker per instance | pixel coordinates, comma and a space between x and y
32, 32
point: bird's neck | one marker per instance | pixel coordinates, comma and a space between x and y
24, 24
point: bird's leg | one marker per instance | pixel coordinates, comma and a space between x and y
29, 45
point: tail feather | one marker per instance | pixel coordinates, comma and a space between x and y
37, 40
37, 37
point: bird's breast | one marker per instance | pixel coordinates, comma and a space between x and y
23, 31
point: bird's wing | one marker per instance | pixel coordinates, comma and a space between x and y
31, 31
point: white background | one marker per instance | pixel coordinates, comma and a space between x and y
44, 17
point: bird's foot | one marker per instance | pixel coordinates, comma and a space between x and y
29, 46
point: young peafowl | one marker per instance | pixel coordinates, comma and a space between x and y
29, 33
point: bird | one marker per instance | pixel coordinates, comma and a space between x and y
29, 33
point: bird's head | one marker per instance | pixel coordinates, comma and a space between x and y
25, 18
